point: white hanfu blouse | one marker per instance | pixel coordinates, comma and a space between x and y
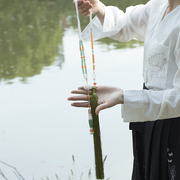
161, 63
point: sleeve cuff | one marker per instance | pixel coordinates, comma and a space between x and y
133, 108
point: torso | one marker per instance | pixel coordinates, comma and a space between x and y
160, 46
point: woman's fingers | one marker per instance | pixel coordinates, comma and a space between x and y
84, 7
78, 98
80, 104
86, 14
81, 92
86, 10
81, 88
83, 96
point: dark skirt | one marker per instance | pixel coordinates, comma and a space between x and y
156, 148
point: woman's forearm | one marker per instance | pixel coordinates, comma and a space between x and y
101, 12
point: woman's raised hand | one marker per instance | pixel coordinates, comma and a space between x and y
85, 6
107, 97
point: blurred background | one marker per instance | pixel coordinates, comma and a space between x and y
39, 66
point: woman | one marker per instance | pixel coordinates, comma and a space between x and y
154, 112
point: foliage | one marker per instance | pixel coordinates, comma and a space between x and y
30, 37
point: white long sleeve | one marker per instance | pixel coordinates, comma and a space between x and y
121, 26
143, 105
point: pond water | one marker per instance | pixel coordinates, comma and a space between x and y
39, 66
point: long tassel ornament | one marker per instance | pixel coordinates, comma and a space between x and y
93, 101
97, 137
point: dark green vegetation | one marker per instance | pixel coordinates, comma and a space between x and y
32, 30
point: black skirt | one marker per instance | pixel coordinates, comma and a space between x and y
156, 148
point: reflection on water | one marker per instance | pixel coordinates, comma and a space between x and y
31, 34
30, 37
112, 44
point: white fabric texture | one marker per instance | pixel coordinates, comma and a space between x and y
161, 63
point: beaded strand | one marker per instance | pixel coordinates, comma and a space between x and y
83, 64
92, 48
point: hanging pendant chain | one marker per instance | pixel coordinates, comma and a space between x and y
83, 62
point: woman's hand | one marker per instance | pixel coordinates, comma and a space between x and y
94, 6
107, 97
